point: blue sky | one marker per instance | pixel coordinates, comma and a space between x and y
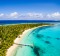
29, 9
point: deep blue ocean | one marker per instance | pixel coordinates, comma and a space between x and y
2, 22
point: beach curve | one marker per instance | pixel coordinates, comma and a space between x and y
11, 50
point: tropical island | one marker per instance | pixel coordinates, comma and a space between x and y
8, 33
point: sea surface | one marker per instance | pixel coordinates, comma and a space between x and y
3, 22
42, 41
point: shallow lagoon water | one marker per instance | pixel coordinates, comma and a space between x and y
45, 40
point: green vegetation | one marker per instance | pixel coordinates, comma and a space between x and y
9, 33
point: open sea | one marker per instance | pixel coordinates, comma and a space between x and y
42, 41
3, 22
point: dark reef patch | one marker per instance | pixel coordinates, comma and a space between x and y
40, 35
58, 38
48, 42
48, 37
36, 50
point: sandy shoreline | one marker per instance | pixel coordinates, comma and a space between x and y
11, 50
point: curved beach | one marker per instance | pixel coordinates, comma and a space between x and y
12, 50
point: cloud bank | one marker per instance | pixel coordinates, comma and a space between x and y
33, 16
1, 15
54, 15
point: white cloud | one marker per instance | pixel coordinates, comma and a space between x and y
1, 15
35, 15
54, 15
13, 15
28, 16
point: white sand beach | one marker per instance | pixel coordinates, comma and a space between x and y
11, 50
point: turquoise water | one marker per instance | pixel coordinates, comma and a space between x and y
46, 41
